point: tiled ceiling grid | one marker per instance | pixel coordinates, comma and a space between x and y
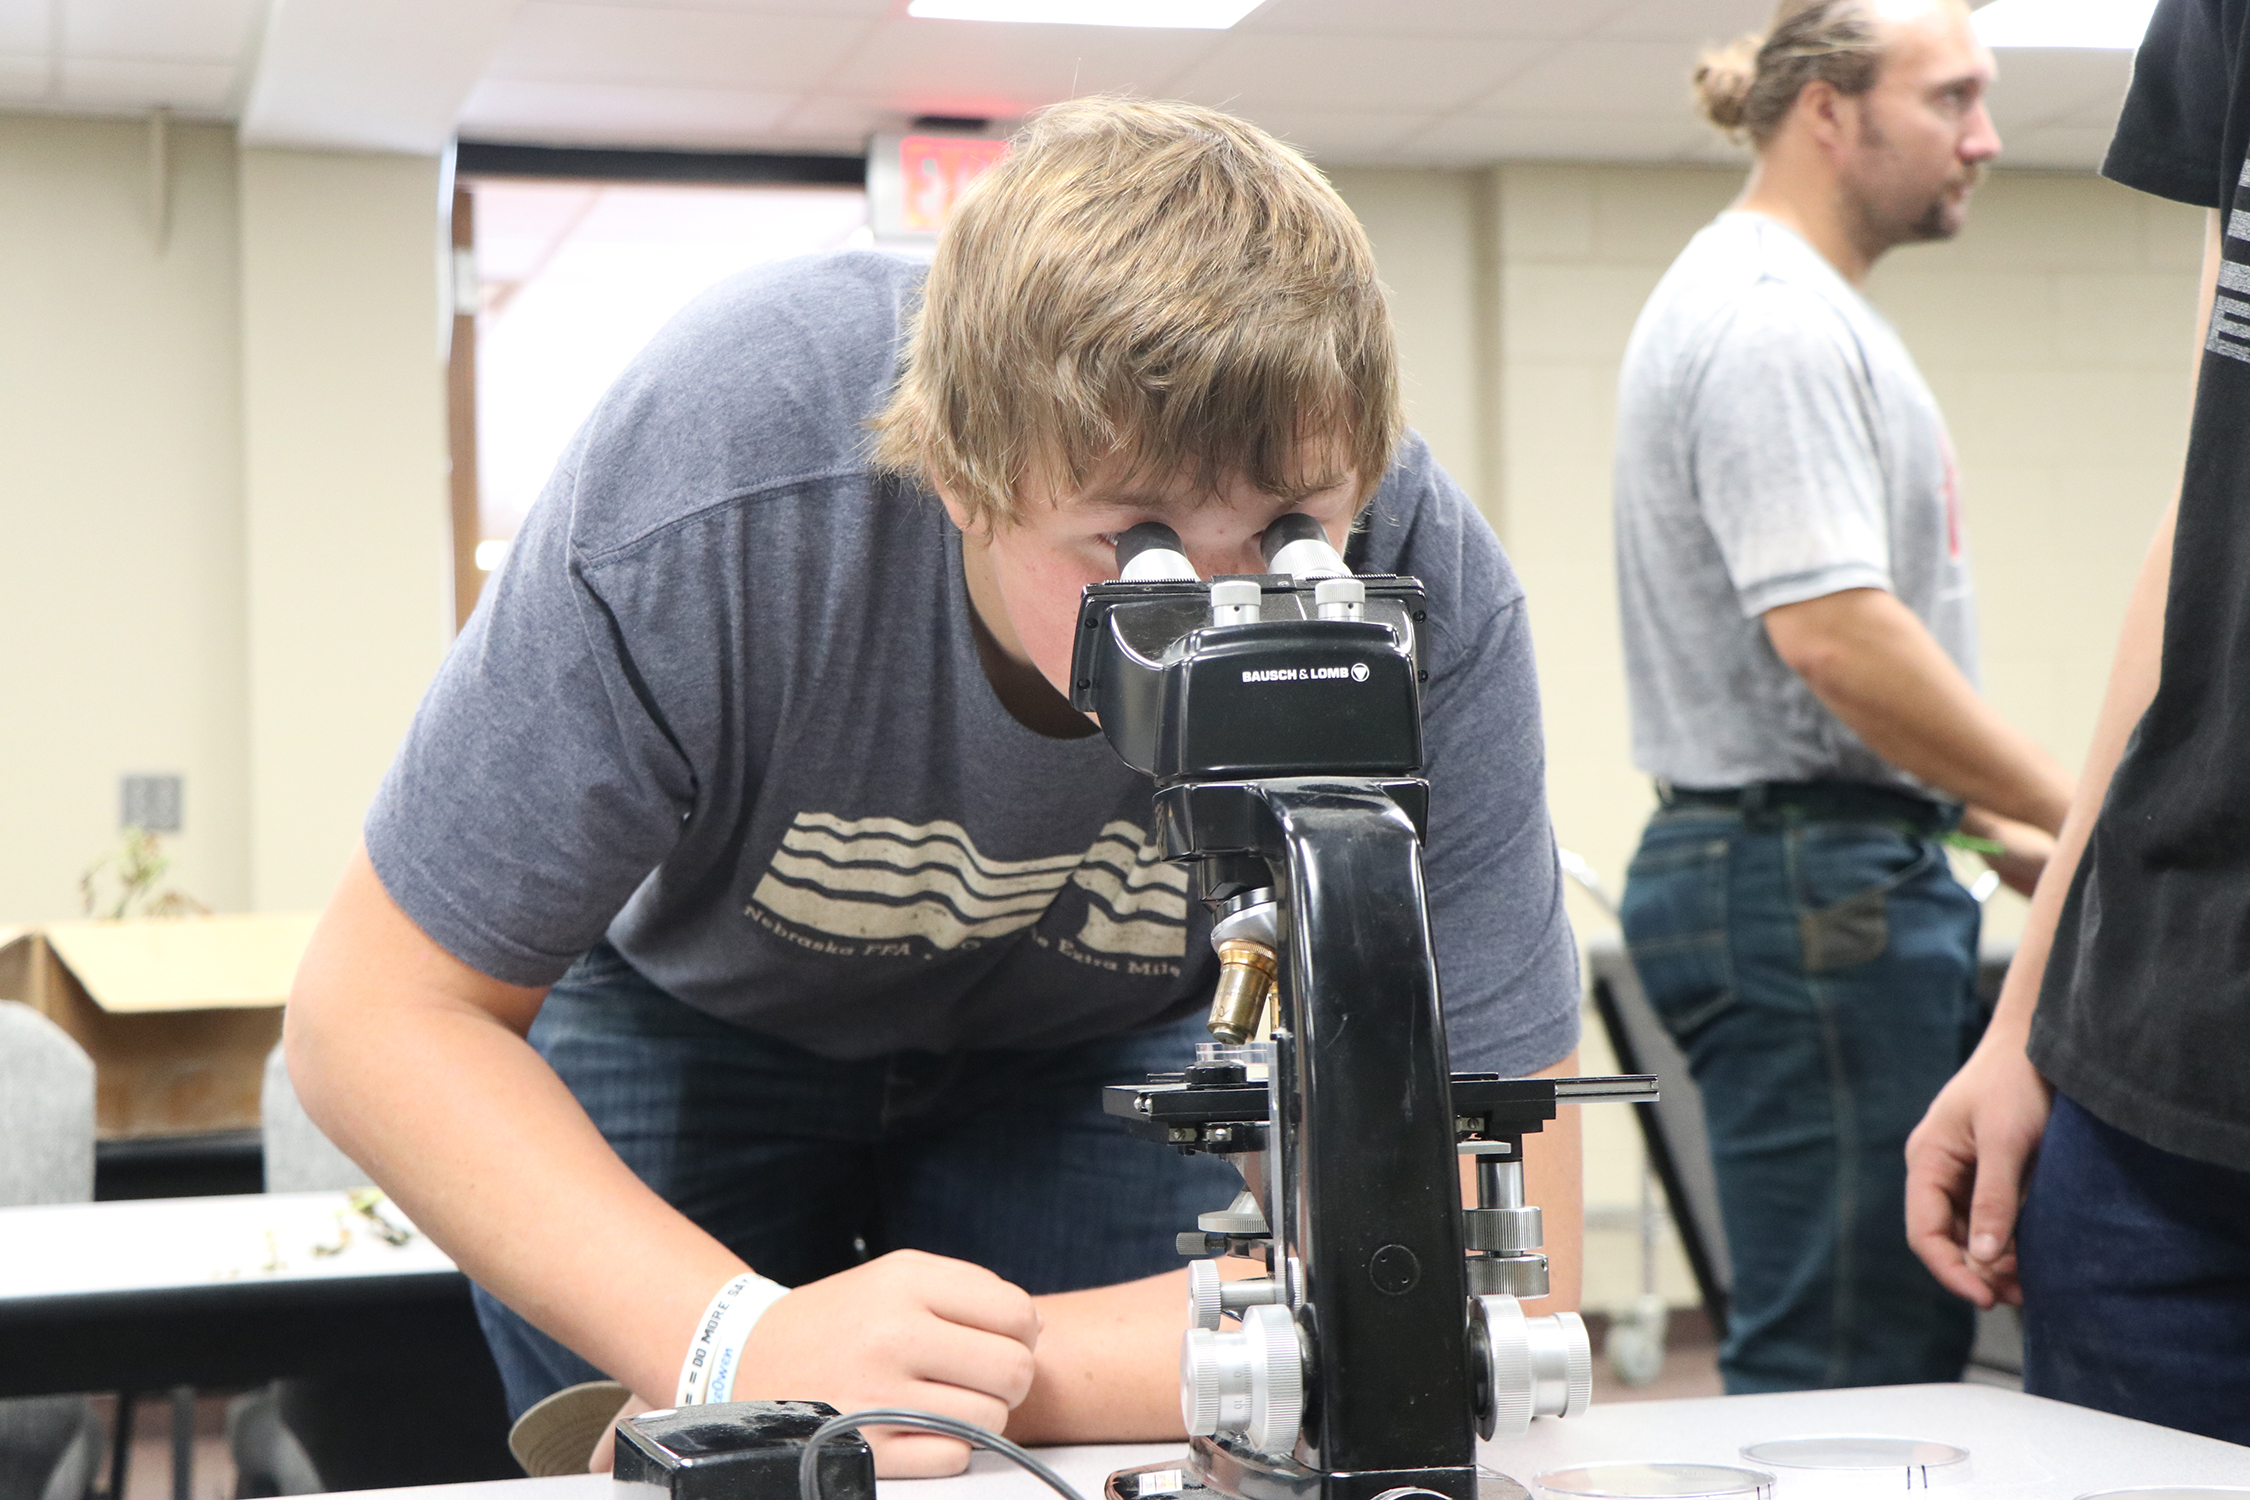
1422, 82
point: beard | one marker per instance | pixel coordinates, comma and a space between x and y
1947, 210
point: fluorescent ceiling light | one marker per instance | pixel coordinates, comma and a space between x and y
2115, 25
1196, 15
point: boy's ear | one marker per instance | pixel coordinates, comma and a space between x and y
955, 511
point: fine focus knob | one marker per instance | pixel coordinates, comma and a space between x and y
1203, 1294
1210, 1297
1533, 1367
1249, 1384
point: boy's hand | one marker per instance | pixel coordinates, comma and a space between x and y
910, 1330
1965, 1169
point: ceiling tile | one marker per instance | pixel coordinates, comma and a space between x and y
826, 122
1011, 68
1370, 73
1687, 20
871, 9
2102, 116
24, 25
23, 77
1487, 138
674, 47
1333, 136
1535, 19
600, 114
1600, 78
176, 30
2042, 84
2072, 146
201, 88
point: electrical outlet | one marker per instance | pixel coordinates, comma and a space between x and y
150, 802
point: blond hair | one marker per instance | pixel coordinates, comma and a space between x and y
1153, 282
1748, 87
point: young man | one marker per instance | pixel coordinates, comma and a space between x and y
2127, 1009
1801, 644
747, 895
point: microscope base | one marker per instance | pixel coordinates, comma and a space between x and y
1219, 1471
1177, 1481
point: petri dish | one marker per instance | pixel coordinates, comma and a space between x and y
2172, 1492
1848, 1463
1654, 1481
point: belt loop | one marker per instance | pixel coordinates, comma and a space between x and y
1755, 813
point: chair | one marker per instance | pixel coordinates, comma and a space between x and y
50, 1446
1672, 1128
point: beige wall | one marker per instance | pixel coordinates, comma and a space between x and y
222, 488
121, 618
350, 593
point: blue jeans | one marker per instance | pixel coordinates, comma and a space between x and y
805, 1166
2135, 1266
1821, 978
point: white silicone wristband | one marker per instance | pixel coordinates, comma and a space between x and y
707, 1374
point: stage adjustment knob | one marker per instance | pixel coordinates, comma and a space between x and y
1249, 1384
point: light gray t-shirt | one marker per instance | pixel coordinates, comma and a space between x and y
723, 705
1774, 444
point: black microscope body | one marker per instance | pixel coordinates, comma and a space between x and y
1283, 730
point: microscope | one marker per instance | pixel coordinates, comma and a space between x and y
1280, 718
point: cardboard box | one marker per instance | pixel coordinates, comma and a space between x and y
178, 1013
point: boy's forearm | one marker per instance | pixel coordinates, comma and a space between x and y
1109, 1363
455, 1116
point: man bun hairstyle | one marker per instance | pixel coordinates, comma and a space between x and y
1155, 283
1747, 87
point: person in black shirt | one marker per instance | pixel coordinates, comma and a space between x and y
2092, 1159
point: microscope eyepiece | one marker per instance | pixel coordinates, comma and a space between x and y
1296, 544
1151, 552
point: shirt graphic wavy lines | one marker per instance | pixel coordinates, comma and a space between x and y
884, 879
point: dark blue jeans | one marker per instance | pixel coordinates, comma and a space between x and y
2135, 1266
1821, 978
805, 1167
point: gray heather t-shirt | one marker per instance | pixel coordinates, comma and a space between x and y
1774, 444
723, 705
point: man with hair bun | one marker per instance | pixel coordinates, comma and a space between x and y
1800, 640
748, 924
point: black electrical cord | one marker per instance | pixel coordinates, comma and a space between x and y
808, 1474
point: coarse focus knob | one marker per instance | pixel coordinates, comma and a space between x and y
1533, 1367
1250, 1384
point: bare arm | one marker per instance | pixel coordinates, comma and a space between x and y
1877, 667
1108, 1359
417, 1066
1966, 1161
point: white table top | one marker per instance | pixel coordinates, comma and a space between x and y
2020, 1447
152, 1244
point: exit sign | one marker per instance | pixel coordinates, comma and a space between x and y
914, 180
